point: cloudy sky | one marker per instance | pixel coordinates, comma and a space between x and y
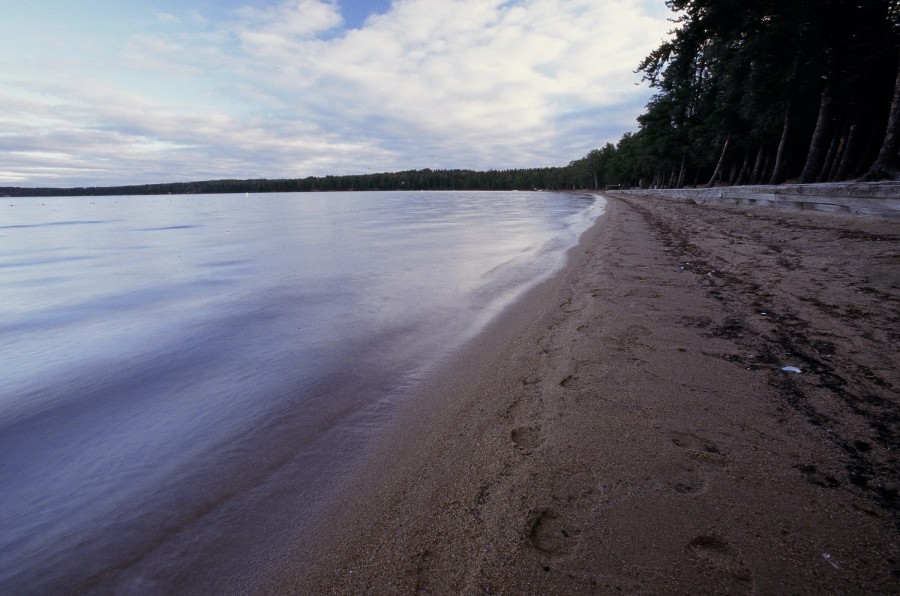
107, 92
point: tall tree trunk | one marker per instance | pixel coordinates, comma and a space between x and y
745, 165
829, 160
682, 172
778, 175
849, 153
838, 156
778, 172
886, 164
767, 163
758, 166
817, 145
718, 169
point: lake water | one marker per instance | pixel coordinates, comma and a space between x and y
173, 367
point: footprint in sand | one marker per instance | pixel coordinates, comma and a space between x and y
569, 382
690, 483
550, 534
716, 552
699, 448
634, 333
526, 438
574, 383
569, 307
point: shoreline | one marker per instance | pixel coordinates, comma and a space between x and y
627, 426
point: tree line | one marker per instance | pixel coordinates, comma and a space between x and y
550, 178
747, 92
764, 91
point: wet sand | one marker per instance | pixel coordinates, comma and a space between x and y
627, 426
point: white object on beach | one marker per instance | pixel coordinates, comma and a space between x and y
791, 369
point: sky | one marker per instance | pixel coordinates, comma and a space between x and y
112, 92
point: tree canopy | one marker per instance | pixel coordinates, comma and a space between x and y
761, 91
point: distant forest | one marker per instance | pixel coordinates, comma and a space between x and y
747, 92
538, 178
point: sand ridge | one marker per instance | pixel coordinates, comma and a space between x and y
627, 426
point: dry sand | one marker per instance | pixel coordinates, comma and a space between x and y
628, 426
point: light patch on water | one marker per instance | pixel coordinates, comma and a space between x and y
165, 358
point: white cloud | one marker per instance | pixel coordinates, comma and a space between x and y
273, 29
283, 91
500, 79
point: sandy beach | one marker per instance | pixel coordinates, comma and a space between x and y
629, 426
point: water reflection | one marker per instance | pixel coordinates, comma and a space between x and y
166, 356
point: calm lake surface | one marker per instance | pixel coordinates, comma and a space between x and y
172, 368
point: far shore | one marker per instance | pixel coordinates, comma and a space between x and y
703, 401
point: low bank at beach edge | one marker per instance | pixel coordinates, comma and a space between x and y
638, 424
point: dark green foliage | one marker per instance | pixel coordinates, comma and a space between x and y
525, 179
758, 91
